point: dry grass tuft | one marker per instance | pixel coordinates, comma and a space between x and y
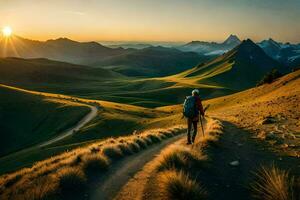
125, 148
142, 143
70, 181
179, 186
154, 138
179, 157
273, 184
42, 189
94, 164
214, 129
112, 151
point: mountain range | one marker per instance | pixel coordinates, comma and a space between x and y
150, 61
285, 53
211, 48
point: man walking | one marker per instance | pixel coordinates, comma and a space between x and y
191, 109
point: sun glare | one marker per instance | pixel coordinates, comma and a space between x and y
7, 31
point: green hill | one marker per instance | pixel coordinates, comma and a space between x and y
152, 62
237, 69
27, 119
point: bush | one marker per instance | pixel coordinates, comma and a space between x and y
179, 158
134, 146
71, 180
142, 143
269, 77
112, 151
154, 138
94, 164
126, 150
177, 185
273, 184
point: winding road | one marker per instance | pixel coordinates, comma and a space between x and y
72, 130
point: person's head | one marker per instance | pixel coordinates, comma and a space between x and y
195, 92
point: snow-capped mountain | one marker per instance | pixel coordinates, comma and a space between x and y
211, 48
286, 53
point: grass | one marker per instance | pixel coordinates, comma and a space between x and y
33, 118
273, 184
177, 185
67, 170
181, 158
177, 166
71, 180
94, 164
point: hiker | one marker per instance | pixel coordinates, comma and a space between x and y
191, 109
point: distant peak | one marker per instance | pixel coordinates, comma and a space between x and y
232, 40
61, 39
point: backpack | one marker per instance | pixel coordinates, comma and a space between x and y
189, 107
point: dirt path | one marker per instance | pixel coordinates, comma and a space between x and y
122, 173
70, 131
221, 180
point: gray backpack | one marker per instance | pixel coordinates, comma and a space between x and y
189, 107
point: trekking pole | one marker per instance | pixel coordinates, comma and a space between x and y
201, 118
201, 125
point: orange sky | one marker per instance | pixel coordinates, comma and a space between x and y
156, 20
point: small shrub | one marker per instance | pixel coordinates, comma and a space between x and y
179, 158
179, 186
269, 77
273, 184
44, 188
134, 146
94, 164
126, 150
112, 151
154, 138
140, 142
71, 180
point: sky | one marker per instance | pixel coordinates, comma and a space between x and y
153, 20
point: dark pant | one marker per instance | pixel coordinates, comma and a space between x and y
190, 123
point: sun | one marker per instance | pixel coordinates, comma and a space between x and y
7, 31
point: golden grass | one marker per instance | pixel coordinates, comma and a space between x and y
92, 158
214, 129
179, 157
177, 185
273, 184
94, 164
71, 181
176, 164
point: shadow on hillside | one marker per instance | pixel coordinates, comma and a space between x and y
224, 181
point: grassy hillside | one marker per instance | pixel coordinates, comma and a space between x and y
270, 112
113, 119
152, 62
27, 119
239, 69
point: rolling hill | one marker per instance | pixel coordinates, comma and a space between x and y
152, 62
27, 119
43, 72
